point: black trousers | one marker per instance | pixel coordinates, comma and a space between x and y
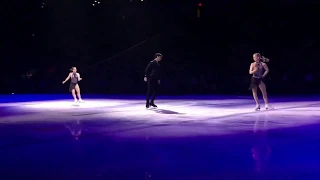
153, 86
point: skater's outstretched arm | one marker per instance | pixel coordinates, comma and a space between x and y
67, 78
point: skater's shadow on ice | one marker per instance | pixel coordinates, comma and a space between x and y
164, 111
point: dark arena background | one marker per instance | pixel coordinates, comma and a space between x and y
205, 125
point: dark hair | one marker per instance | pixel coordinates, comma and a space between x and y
72, 68
264, 59
157, 55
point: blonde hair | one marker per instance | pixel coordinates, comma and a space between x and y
263, 59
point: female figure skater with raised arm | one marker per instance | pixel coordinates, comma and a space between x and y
259, 70
74, 86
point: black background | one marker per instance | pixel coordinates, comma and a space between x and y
112, 42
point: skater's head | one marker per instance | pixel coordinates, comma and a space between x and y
258, 58
73, 69
158, 56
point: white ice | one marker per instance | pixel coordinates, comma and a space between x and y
187, 116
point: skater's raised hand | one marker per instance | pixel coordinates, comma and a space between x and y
145, 79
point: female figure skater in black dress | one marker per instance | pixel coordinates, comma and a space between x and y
74, 86
259, 70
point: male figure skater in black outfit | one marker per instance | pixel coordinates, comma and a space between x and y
152, 77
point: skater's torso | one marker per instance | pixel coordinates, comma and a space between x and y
74, 78
155, 69
260, 71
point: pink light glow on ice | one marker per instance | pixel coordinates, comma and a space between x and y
184, 117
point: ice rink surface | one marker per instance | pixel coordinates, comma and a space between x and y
202, 125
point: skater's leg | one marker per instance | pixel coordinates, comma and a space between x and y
73, 91
263, 89
155, 86
154, 93
78, 92
255, 97
150, 91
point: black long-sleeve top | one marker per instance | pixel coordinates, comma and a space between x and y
153, 70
